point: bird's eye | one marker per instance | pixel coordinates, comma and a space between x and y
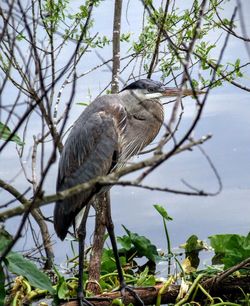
139, 117
150, 89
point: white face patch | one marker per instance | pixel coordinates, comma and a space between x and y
153, 95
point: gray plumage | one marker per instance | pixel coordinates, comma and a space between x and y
108, 132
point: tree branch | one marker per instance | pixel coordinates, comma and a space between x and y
116, 46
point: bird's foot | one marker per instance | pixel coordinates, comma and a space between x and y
124, 287
82, 301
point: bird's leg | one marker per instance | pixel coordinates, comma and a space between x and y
110, 228
81, 232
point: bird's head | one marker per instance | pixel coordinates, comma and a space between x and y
148, 89
144, 110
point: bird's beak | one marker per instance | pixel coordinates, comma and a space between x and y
177, 92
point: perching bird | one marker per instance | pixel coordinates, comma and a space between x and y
108, 132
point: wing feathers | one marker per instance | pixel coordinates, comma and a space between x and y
87, 154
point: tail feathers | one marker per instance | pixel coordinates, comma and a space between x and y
62, 220
66, 211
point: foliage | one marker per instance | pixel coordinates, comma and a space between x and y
162, 211
2, 288
194, 244
65, 288
20, 266
165, 217
139, 245
5, 134
181, 27
53, 13
108, 262
230, 249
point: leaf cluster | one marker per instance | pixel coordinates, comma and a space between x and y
17, 264
6, 134
230, 249
30, 282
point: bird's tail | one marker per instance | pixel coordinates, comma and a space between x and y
62, 220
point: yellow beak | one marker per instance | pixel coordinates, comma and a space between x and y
177, 92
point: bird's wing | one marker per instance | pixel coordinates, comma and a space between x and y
90, 151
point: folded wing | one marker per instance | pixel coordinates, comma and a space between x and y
90, 151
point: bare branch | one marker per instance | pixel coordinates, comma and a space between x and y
116, 46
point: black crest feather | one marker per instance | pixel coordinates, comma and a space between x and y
145, 84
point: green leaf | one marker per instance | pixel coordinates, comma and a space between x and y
2, 289
230, 249
19, 265
125, 37
145, 279
125, 242
162, 211
20, 37
143, 245
61, 286
62, 289
220, 242
5, 239
246, 242
5, 133
108, 262
237, 63
192, 243
82, 103
117, 302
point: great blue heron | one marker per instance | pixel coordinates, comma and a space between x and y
108, 132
